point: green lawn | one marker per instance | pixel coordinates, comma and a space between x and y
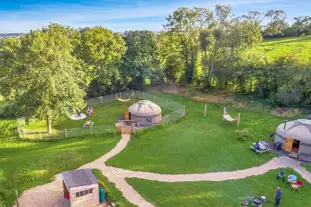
113, 193
104, 115
297, 47
222, 194
27, 164
197, 144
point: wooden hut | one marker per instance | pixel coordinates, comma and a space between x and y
81, 188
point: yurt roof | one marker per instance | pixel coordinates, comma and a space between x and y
299, 129
82, 177
145, 108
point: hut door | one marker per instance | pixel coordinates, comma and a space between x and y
288, 144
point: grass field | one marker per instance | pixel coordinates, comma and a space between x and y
113, 193
104, 115
27, 164
298, 48
198, 144
222, 194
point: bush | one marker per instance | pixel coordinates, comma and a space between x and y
8, 128
243, 134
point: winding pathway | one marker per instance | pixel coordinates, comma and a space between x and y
118, 175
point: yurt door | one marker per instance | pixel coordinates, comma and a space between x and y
288, 144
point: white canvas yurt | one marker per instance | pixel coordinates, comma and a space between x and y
295, 136
145, 113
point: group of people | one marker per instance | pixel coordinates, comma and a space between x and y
90, 111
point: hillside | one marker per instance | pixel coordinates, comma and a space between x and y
298, 48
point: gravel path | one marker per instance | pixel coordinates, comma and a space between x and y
38, 196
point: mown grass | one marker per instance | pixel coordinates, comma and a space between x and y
298, 48
222, 194
27, 164
114, 194
198, 144
106, 114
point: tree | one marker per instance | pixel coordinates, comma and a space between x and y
101, 52
47, 81
205, 42
170, 56
302, 24
187, 23
141, 59
277, 22
8, 52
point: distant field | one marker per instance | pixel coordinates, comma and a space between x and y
298, 48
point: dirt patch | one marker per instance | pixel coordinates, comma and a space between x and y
285, 112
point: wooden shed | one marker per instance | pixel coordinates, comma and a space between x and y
81, 188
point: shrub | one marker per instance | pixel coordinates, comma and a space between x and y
243, 134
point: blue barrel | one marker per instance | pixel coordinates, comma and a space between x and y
101, 195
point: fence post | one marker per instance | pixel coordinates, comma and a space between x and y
17, 203
101, 100
66, 133
205, 110
120, 94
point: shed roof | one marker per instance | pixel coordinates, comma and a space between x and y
81, 177
299, 129
145, 108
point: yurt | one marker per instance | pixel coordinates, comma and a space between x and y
295, 136
145, 113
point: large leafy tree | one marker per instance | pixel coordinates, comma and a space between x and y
8, 61
170, 56
141, 59
46, 80
101, 51
277, 22
187, 23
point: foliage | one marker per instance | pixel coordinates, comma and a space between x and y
113, 193
243, 134
47, 82
219, 194
141, 59
8, 129
101, 52
186, 24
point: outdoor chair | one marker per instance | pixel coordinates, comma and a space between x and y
281, 175
296, 185
88, 124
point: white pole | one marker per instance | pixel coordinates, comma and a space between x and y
120, 94
101, 99
239, 117
205, 110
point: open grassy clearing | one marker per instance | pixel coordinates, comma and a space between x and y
220, 194
307, 166
27, 164
197, 144
104, 115
298, 48
113, 192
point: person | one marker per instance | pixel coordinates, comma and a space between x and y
257, 146
278, 196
